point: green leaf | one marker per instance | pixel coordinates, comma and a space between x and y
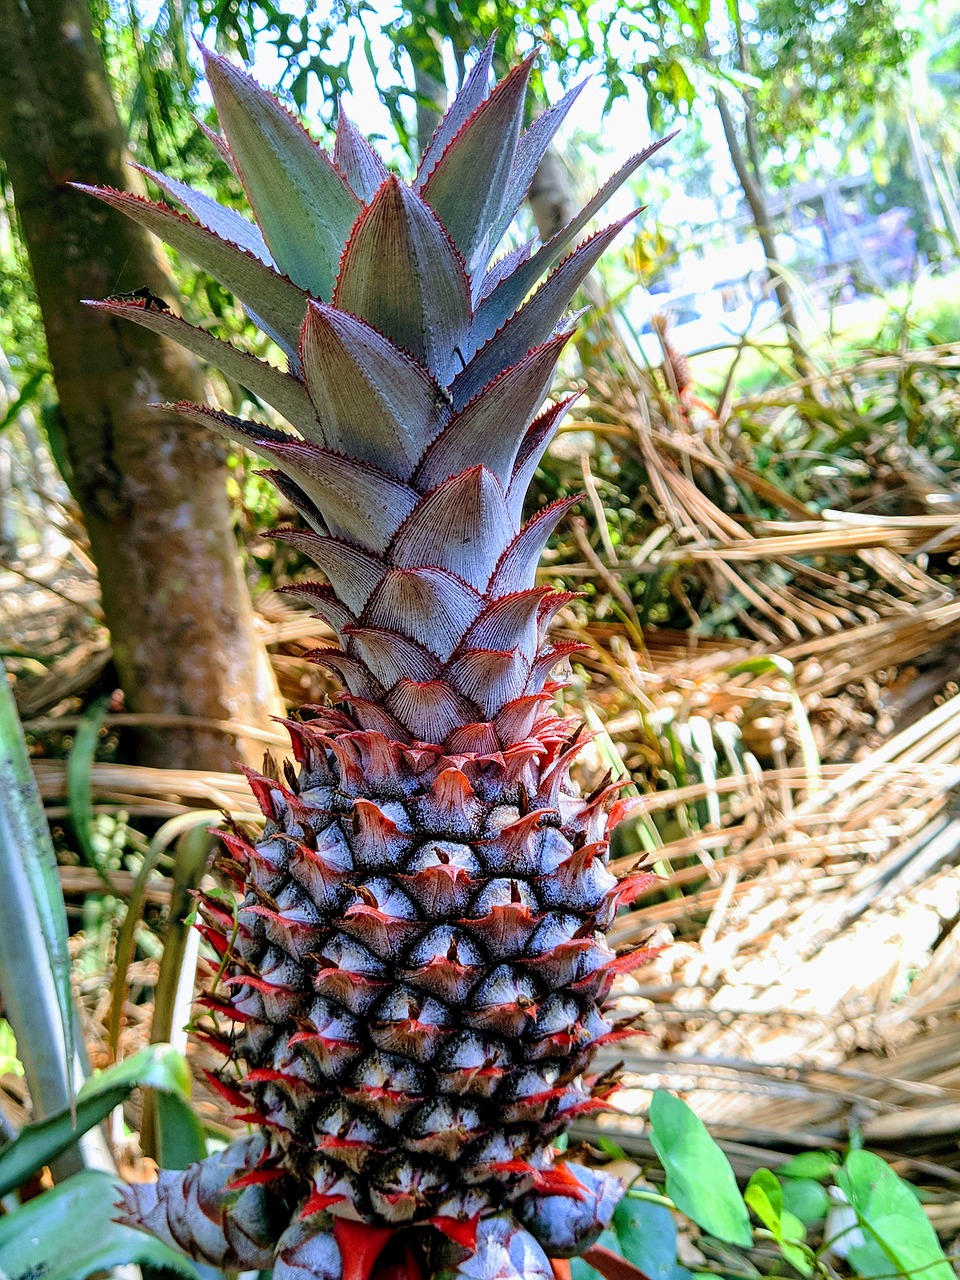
37, 1144
179, 1134
34, 956
79, 794
647, 1235
806, 1199
27, 394
10, 1064
700, 1181
610, 1148
820, 1165
69, 1233
900, 1239
765, 1198
302, 203
764, 1195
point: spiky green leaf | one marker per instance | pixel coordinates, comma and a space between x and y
402, 274
302, 203
470, 184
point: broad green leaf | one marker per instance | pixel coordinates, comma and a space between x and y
899, 1237
805, 1199
34, 956
647, 1235
69, 1233
700, 1181
158, 1066
819, 1165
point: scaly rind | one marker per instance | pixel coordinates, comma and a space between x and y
504, 1251
565, 1226
198, 1212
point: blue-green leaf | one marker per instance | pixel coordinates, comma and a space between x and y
700, 1181
69, 1233
302, 203
647, 1235
158, 1066
34, 956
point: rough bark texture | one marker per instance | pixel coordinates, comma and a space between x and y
151, 487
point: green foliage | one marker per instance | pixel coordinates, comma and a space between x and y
764, 1196
10, 1063
896, 1234
34, 953
700, 1181
158, 1067
70, 1233
817, 60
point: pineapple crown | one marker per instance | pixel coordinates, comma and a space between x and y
416, 368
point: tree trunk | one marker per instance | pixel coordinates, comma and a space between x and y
750, 176
756, 199
426, 54
151, 487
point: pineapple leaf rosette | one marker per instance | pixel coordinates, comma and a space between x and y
415, 980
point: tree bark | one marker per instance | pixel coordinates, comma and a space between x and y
750, 176
756, 199
150, 486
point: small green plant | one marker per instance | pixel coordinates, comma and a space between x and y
40, 1237
857, 1209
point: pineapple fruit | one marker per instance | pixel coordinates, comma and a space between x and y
414, 981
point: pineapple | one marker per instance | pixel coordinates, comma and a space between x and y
413, 983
